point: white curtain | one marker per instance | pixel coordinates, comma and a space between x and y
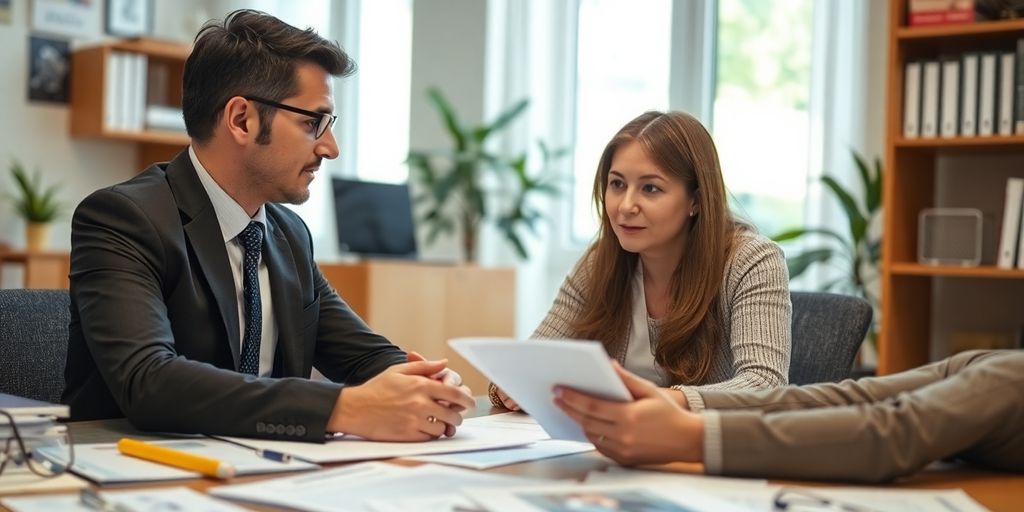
846, 94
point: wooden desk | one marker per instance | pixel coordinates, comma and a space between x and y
420, 306
997, 491
43, 269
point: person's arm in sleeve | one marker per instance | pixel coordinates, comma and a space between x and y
119, 266
968, 406
760, 320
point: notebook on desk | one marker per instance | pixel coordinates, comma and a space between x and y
20, 406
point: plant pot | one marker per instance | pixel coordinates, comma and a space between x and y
37, 236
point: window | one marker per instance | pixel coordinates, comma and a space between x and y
622, 70
385, 63
761, 118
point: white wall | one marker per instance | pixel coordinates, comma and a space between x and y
448, 48
36, 133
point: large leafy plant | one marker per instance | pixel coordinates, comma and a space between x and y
858, 249
457, 192
34, 202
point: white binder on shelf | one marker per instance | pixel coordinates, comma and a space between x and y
1006, 92
1008, 241
949, 119
930, 99
969, 95
912, 100
987, 95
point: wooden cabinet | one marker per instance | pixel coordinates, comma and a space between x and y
41, 269
90, 86
420, 306
921, 302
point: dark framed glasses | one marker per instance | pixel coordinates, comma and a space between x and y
796, 500
324, 120
44, 453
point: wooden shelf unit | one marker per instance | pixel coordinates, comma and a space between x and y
915, 170
89, 68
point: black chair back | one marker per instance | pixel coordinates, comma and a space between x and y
33, 342
828, 329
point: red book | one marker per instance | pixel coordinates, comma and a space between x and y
939, 12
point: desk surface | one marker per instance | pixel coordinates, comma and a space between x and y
997, 491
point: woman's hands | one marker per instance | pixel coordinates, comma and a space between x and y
652, 429
505, 400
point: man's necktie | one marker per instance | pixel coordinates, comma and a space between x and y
252, 242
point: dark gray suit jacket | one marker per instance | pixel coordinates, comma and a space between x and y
154, 319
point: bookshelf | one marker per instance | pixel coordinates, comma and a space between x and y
89, 88
920, 302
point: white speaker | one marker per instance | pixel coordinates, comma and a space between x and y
949, 236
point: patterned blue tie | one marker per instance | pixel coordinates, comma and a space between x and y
252, 241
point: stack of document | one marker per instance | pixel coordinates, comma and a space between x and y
37, 426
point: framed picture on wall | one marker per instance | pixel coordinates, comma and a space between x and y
66, 18
129, 18
5, 12
49, 70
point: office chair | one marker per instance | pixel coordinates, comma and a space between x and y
34, 342
828, 329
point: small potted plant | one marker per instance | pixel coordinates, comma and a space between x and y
37, 205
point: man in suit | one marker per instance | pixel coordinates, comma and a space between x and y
969, 407
196, 303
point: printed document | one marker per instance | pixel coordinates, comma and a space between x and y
174, 498
351, 448
362, 486
529, 370
104, 464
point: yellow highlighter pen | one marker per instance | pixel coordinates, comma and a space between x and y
177, 458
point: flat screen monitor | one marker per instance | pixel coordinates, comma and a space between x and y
374, 219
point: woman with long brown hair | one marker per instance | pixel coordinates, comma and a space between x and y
678, 290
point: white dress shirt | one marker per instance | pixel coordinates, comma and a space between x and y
233, 220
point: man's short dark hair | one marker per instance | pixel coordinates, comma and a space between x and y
250, 54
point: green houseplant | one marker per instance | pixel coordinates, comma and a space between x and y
453, 181
858, 249
39, 206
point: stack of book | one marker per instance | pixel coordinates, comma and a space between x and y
37, 426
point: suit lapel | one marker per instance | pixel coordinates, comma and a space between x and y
203, 231
284, 286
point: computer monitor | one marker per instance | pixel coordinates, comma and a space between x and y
374, 219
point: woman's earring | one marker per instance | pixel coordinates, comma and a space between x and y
693, 213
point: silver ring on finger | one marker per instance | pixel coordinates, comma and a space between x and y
431, 419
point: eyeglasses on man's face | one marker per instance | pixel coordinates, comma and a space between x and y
324, 121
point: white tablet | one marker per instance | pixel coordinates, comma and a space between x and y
529, 370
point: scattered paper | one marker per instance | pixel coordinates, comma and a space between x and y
25, 481
358, 485
578, 497
175, 498
485, 459
104, 464
352, 448
529, 370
